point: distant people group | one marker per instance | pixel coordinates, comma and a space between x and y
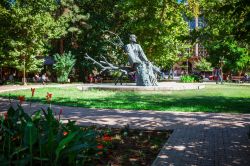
44, 78
94, 78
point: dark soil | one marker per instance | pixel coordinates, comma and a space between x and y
133, 147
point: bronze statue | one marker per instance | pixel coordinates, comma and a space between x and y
145, 70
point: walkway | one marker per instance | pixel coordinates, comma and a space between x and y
6, 88
202, 139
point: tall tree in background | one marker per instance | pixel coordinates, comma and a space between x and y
194, 9
224, 24
29, 27
103, 15
76, 19
160, 27
26, 30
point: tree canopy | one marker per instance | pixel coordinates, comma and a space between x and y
32, 29
224, 24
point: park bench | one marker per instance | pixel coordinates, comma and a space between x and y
237, 79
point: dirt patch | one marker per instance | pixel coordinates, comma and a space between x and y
127, 147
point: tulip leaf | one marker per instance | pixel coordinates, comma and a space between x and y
64, 142
30, 134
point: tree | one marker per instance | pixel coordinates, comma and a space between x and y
26, 31
239, 10
160, 27
203, 65
103, 15
218, 36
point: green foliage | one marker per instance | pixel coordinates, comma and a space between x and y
160, 28
104, 15
44, 140
26, 31
63, 66
193, 6
116, 74
187, 79
28, 27
222, 20
203, 65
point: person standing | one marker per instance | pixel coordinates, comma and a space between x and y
218, 75
44, 79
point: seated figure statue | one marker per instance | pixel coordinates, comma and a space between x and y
144, 69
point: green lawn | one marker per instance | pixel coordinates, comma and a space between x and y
214, 98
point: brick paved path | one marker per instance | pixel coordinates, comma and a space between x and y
203, 139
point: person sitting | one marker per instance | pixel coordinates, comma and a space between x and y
90, 78
11, 78
36, 78
98, 78
245, 78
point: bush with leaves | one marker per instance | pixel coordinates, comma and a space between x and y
191, 78
63, 66
187, 79
41, 139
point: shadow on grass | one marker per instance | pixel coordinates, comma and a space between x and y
161, 103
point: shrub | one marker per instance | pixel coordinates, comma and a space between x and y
63, 66
187, 79
43, 139
197, 77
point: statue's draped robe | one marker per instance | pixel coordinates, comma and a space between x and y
144, 69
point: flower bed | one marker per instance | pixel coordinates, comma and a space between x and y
133, 147
42, 139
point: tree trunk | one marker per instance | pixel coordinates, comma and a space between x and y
61, 46
196, 27
24, 72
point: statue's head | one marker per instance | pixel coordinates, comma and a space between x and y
132, 38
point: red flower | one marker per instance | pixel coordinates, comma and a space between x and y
49, 97
106, 138
100, 153
65, 133
21, 99
99, 146
33, 91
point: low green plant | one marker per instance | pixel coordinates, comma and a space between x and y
187, 79
197, 78
43, 139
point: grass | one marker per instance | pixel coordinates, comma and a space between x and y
214, 98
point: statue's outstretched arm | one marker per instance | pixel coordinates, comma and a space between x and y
105, 65
113, 38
